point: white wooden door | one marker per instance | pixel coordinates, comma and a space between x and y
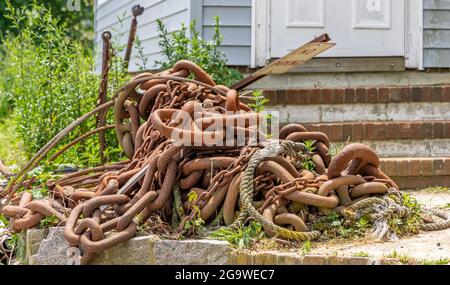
358, 27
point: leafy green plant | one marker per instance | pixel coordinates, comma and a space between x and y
48, 222
404, 259
411, 224
197, 222
50, 81
11, 149
187, 44
308, 163
16, 243
241, 237
306, 247
259, 101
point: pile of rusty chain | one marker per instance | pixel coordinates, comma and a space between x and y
233, 180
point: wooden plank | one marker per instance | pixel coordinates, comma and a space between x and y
284, 64
351, 64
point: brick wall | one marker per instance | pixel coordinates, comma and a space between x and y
358, 95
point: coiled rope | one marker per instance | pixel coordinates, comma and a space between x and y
247, 188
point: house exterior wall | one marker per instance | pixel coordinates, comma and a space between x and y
236, 27
235, 19
436, 33
172, 12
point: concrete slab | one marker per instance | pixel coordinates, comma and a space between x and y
342, 80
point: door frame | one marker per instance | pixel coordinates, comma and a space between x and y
261, 22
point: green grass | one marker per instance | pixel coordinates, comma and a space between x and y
11, 150
442, 261
361, 254
435, 189
404, 259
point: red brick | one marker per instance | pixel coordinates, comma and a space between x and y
349, 96
361, 95
339, 96
416, 94
324, 129
406, 94
447, 130
336, 132
304, 97
390, 167
358, 132
426, 167
292, 97
372, 95
403, 130
375, 131
427, 130
438, 130
437, 94
383, 95
446, 94
416, 130
438, 167
426, 94
403, 167
270, 94
447, 166
392, 131
312, 127
395, 95
280, 97
414, 167
347, 132
316, 96
328, 96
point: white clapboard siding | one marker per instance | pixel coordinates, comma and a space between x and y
235, 20
436, 33
172, 12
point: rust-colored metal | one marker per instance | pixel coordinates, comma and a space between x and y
137, 10
103, 91
104, 205
351, 159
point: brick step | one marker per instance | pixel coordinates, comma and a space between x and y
380, 131
358, 95
418, 172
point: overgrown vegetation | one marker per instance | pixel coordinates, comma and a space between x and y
241, 237
49, 82
361, 254
335, 226
308, 163
403, 259
437, 189
259, 102
441, 261
11, 149
187, 44
80, 21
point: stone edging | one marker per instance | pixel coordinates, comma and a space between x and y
48, 247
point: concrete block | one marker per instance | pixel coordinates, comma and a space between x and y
191, 252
